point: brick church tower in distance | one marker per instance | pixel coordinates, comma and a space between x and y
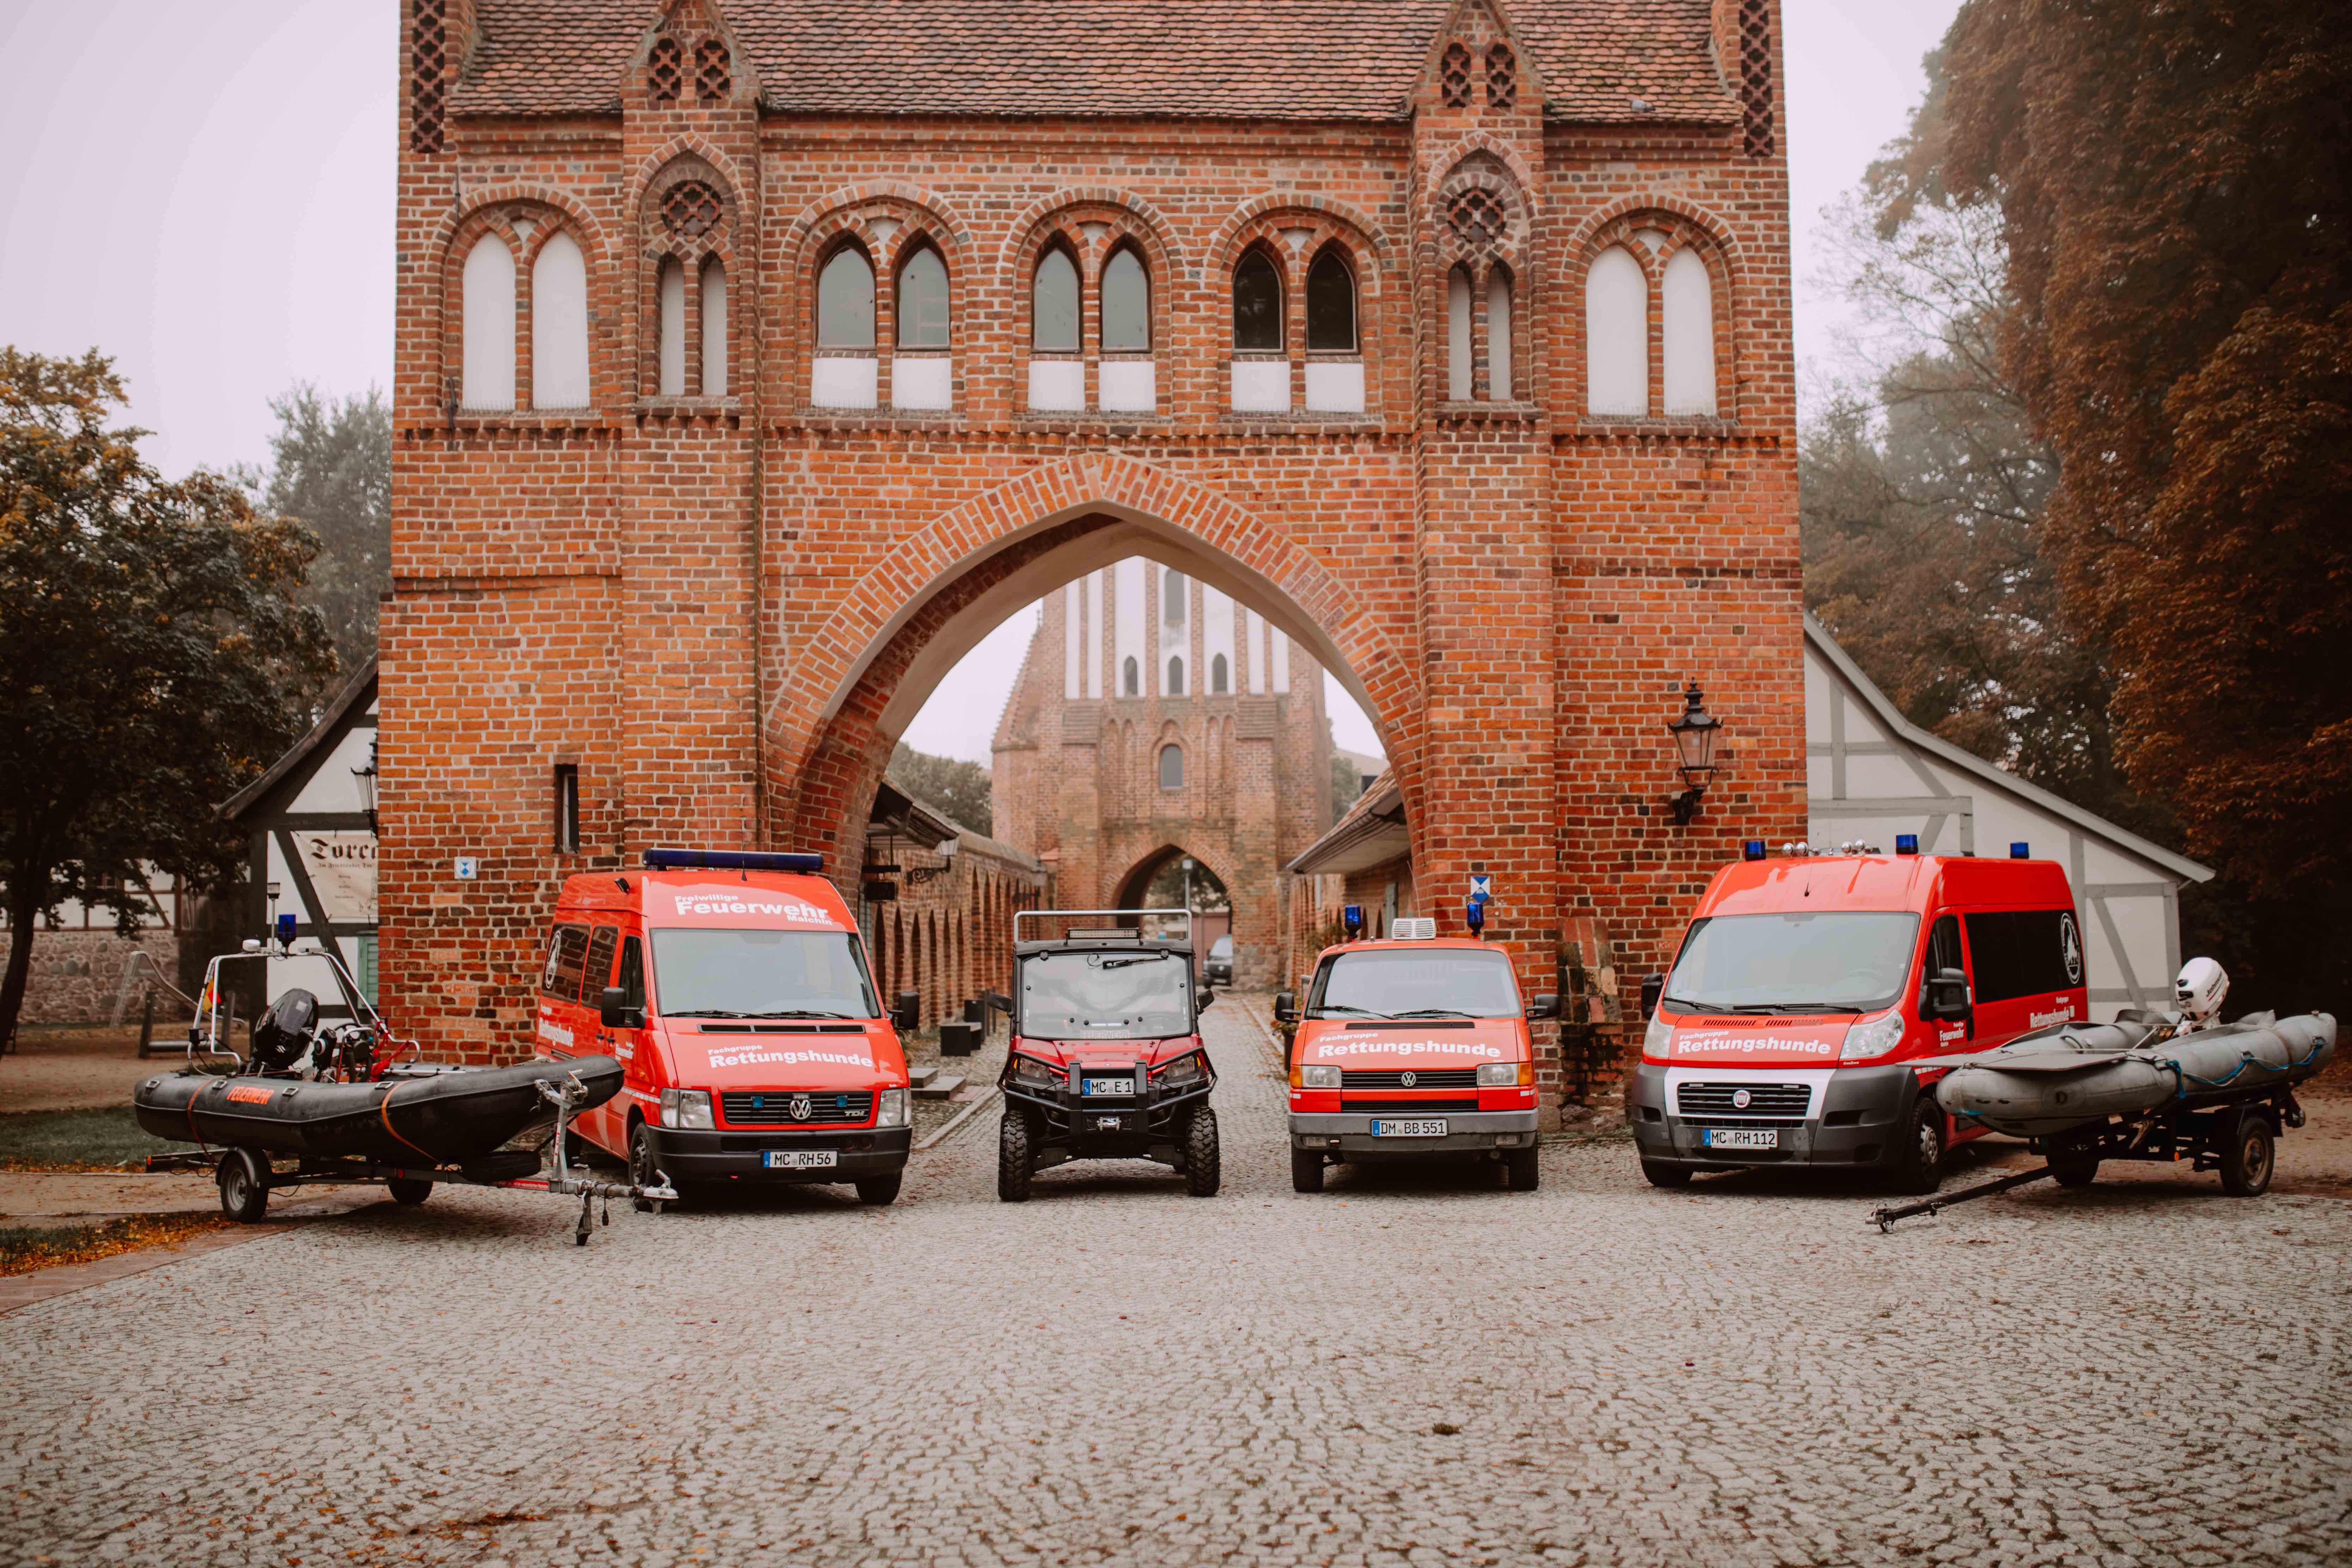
755, 359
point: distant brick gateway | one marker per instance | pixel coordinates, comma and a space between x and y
756, 358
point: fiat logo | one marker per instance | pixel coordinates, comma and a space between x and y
802, 1108
1740, 1099
1409, 1079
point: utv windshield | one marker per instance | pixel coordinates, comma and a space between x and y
1105, 995
1839, 963
1437, 983
705, 973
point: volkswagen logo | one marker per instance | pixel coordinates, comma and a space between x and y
1409, 1079
1740, 1099
800, 1108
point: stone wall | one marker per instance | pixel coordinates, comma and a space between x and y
76, 976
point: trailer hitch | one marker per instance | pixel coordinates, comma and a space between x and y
1884, 1218
566, 1097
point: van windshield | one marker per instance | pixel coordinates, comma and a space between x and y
1436, 983
1111, 995
706, 973
1833, 963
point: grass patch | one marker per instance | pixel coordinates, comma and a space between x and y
107, 1139
24, 1249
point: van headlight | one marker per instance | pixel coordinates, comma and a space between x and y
1496, 1075
1658, 1043
1318, 1077
686, 1108
893, 1111
1868, 1037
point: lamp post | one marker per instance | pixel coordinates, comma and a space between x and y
1695, 735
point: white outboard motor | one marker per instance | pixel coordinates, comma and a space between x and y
2199, 991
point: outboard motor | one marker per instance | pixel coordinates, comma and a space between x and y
2199, 991
282, 1035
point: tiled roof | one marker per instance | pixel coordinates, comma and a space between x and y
1266, 59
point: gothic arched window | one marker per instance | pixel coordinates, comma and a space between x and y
1687, 298
923, 301
559, 325
1126, 303
1175, 675
714, 328
1053, 304
845, 302
670, 295
1131, 677
1257, 305
1617, 334
1220, 675
487, 305
1330, 306
1499, 335
1171, 767
1459, 381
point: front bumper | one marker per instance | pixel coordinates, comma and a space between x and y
860, 1152
1858, 1120
1348, 1135
1146, 1126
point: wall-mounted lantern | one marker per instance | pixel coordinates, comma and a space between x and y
365, 778
1695, 734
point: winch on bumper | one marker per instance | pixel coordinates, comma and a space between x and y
1858, 1117
860, 1154
1348, 1135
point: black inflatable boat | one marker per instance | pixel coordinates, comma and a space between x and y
440, 1117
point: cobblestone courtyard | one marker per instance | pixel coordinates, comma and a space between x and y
1423, 1370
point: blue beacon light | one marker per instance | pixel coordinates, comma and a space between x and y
286, 930
2020, 851
1475, 913
1751, 850
1351, 916
1907, 844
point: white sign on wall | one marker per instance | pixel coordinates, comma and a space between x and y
342, 869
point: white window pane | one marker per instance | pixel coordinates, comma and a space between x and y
1057, 383
1686, 298
559, 325
845, 381
844, 302
1457, 336
487, 301
673, 328
923, 301
1617, 335
925, 383
1126, 304
1171, 598
714, 331
1054, 305
1498, 336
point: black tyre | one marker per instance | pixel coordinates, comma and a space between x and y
1306, 1170
1205, 1168
1659, 1175
2077, 1172
1524, 1169
409, 1189
880, 1190
1016, 1159
244, 1179
1919, 1161
644, 1163
2250, 1156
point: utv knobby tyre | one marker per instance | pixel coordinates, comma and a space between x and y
1203, 1163
877, 1191
244, 1178
2249, 1157
1016, 1158
1658, 1173
1524, 1169
410, 1190
1919, 1160
1306, 1170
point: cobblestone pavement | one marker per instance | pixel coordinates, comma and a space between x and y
1405, 1368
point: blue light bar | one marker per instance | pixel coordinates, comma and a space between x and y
733, 860
2020, 851
1907, 844
1752, 849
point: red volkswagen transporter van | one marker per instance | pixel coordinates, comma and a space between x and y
732, 986
1807, 984
1412, 1048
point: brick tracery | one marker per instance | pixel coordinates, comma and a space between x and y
428, 72
1755, 76
1454, 76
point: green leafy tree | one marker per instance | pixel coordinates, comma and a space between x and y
960, 789
157, 657
331, 470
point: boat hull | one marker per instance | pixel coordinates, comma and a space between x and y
2065, 1077
445, 1118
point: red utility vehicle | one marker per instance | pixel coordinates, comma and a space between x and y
1413, 1047
1807, 984
733, 987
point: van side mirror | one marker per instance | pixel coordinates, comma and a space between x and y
614, 1010
1654, 986
1948, 994
1286, 1007
1545, 1005
907, 1011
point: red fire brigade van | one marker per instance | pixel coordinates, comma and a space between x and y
732, 986
1808, 984
1410, 1049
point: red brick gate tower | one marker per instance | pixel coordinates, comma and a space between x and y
750, 371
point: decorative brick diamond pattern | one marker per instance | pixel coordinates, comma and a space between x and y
1478, 219
428, 64
665, 71
1454, 76
691, 209
1755, 76
1502, 77
713, 78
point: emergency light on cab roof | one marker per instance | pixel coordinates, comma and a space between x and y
1419, 928
1800, 849
733, 860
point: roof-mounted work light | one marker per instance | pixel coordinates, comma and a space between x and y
733, 860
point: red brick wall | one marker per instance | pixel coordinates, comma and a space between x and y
712, 605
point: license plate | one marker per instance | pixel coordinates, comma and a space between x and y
1110, 1086
801, 1159
1424, 1128
1740, 1137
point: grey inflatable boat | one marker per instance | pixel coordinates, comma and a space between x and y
2070, 1074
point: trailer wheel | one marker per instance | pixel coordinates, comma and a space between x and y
1524, 1169
2249, 1157
1920, 1163
409, 1190
1306, 1170
2073, 1173
1658, 1173
244, 1186
1015, 1159
1204, 1162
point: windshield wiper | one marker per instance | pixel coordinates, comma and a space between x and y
1126, 961
1680, 1006
1797, 1007
800, 1012
1330, 1007
1433, 1013
706, 1013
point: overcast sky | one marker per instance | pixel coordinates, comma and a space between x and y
204, 191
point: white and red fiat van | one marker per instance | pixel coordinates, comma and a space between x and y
1807, 984
1410, 1049
733, 986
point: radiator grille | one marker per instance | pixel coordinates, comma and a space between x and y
1403, 1105
1716, 1100
774, 1107
1423, 1078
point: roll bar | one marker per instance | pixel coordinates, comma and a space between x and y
1121, 933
